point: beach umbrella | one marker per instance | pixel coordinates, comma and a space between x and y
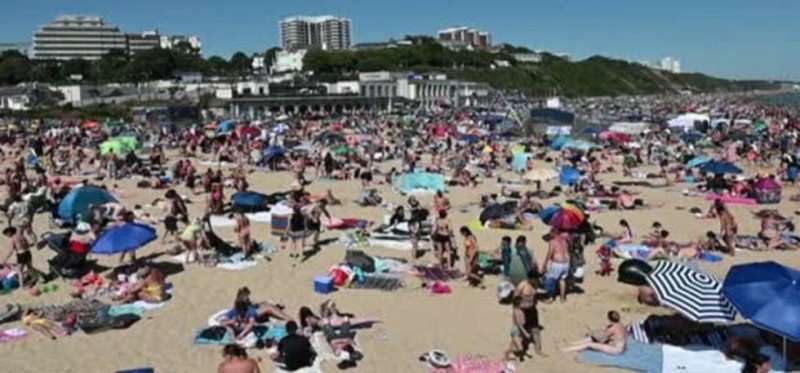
124, 238
540, 174
569, 175
567, 218
498, 211
249, 200
342, 150
697, 161
78, 201
718, 167
578, 145
226, 126
280, 128
115, 146
767, 294
694, 294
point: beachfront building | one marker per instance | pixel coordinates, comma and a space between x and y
430, 91
465, 37
172, 41
324, 32
142, 42
84, 37
288, 61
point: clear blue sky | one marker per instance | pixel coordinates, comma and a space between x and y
730, 38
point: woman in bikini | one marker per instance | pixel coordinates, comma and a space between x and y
242, 230
471, 267
612, 341
441, 240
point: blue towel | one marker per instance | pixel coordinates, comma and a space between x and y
708, 257
638, 357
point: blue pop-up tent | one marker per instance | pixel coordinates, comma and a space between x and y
569, 175
80, 200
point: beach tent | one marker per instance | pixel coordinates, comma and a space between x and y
520, 162
80, 200
419, 181
124, 238
694, 294
569, 175
630, 128
559, 142
121, 145
688, 120
249, 201
226, 126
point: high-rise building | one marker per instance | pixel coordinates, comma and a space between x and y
325, 32
465, 37
68, 37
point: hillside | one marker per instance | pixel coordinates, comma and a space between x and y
595, 76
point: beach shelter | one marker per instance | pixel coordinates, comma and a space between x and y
767, 294
698, 161
694, 294
569, 175
717, 167
247, 201
559, 142
124, 238
497, 211
578, 145
226, 126
78, 202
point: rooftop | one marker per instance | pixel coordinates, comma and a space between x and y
314, 19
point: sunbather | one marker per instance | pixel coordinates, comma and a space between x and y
612, 340
47, 327
151, 287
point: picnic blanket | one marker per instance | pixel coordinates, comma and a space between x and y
437, 273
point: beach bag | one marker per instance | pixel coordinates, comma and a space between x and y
359, 259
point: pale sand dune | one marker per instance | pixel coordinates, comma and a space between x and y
468, 321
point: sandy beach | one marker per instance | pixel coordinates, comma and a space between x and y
469, 321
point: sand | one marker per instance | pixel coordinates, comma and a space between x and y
469, 321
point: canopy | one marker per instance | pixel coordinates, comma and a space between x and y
718, 167
698, 161
124, 238
695, 295
687, 121
630, 128
78, 202
426, 181
120, 145
767, 294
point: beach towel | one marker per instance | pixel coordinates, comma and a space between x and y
219, 336
346, 223
377, 282
13, 334
681, 360
637, 357
222, 221
730, 199
437, 273
709, 257
126, 309
473, 364
632, 251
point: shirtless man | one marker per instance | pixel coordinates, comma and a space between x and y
236, 361
442, 239
526, 295
315, 219
556, 263
612, 341
20, 247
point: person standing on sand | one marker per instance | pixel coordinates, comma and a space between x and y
236, 361
727, 225
525, 295
471, 266
556, 264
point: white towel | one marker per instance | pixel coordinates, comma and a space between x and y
679, 360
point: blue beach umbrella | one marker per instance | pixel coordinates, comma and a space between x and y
124, 238
548, 212
767, 294
249, 199
717, 167
698, 161
79, 200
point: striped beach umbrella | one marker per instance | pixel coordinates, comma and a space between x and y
694, 294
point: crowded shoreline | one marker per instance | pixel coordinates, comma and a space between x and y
415, 241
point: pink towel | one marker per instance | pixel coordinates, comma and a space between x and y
473, 364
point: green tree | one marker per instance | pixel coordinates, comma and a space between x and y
240, 64
216, 65
14, 68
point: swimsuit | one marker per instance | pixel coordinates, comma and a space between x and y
557, 271
24, 258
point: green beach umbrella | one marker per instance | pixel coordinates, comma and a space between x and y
115, 146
